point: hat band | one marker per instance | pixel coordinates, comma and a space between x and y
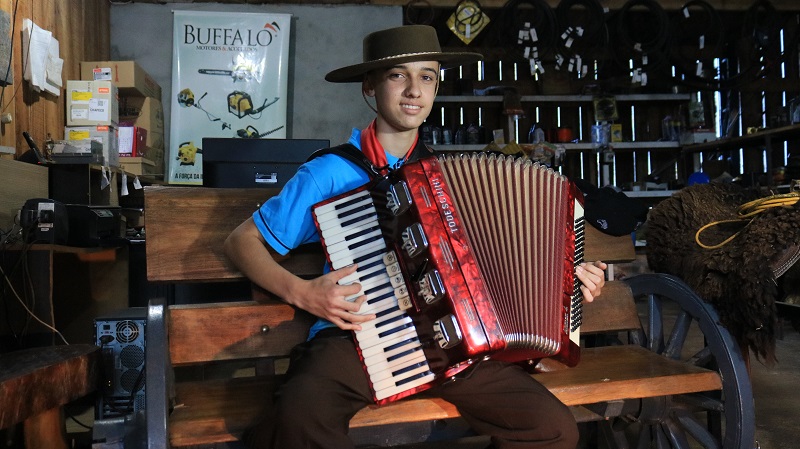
405, 55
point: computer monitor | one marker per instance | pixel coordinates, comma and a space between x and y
236, 162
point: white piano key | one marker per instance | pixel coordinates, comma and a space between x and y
391, 391
333, 236
369, 216
368, 287
363, 273
373, 236
345, 258
321, 210
336, 213
381, 369
369, 345
376, 331
381, 320
392, 382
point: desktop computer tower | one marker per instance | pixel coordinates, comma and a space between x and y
121, 338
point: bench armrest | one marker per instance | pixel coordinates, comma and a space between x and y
159, 376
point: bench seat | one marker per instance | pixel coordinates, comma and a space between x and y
214, 411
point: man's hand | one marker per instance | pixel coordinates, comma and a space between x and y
325, 298
592, 277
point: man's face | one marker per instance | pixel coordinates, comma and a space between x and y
403, 94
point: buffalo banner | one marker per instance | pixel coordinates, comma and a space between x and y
229, 79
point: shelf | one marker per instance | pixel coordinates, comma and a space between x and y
580, 146
733, 143
559, 98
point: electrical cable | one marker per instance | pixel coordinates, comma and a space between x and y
420, 6
30, 312
746, 213
582, 33
699, 36
522, 15
642, 34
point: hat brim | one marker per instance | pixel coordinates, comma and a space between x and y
355, 73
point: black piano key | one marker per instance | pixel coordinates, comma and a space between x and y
386, 333
403, 354
415, 377
355, 210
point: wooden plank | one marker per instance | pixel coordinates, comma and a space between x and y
19, 181
614, 310
218, 411
187, 226
608, 248
202, 333
46, 377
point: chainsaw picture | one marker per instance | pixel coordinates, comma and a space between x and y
187, 153
252, 133
243, 70
241, 105
186, 100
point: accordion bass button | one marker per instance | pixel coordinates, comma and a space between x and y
447, 332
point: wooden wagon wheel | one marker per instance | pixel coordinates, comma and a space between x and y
677, 324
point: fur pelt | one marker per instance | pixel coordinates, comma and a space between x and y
737, 278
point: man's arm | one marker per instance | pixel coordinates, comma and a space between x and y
323, 297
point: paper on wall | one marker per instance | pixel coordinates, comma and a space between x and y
43, 66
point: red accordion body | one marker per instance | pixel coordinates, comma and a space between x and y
461, 258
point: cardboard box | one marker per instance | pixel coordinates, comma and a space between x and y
128, 76
144, 112
108, 136
92, 103
139, 166
132, 141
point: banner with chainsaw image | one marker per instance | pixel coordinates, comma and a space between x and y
229, 79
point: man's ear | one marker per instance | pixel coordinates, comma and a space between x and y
366, 87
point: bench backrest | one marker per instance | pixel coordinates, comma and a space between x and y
186, 227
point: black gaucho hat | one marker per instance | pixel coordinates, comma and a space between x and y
385, 48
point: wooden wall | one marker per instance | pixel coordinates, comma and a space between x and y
82, 30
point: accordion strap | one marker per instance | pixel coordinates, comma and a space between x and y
352, 154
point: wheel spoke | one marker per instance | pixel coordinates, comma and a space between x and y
702, 358
699, 402
699, 432
655, 324
676, 434
678, 336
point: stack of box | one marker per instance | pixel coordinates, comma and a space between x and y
141, 116
93, 114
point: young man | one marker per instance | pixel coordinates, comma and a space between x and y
326, 383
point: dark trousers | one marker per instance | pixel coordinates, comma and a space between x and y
326, 386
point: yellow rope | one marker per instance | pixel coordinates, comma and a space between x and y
748, 211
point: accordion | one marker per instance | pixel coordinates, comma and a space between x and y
461, 258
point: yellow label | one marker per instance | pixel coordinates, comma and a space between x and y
81, 96
78, 135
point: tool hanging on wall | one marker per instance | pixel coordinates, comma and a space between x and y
241, 105
186, 100
252, 133
468, 20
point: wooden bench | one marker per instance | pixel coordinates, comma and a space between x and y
212, 367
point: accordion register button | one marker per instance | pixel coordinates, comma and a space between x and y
414, 240
398, 198
431, 287
446, 331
